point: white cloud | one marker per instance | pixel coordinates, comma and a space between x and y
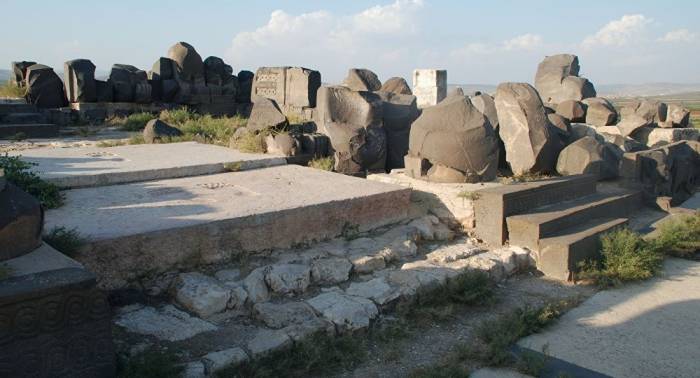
680, 35
523, 42
618, 32
321, 37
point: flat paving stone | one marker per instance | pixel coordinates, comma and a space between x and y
167, 323
99, 166
154, 226
641, 330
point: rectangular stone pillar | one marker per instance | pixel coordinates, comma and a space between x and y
429, 86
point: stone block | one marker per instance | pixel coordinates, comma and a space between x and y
21, 221
80, 80
657, 137
494, 205
290, 87
429, 86
56, 324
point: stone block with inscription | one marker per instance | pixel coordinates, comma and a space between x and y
429, 86
292, 88
55, 323
494, 205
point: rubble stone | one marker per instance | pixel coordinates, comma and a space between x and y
600, 112
266, 341
557, 80
396, 85
200, 294
288, 278
331, 270
157, 130
216, 361
282, 315
347, 312
588, 156
362, 79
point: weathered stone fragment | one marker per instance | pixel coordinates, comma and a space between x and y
654, 112
588, 156
216, 361
671, 171
362, 79
631, 123
267, 341
347, 312
572, 110
561, 124
255, 285
80, 80
200, 294
487, 106
167, 323
188, 62
456, 136
656, 137
288, 278
557, 80
19, 72
429, 86
283, 143
266, 114
44, 87
353, 122
331, 270
399, 111
525, 130
21, 221
396, 85
130, 84
157, 131
105, 91
676, 116
245, 85
377, 289
292, 88
282, 315
600, 112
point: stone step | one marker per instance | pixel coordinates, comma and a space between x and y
99, 166
155, 226
37, 130
526, 230
22, 118
9, 108
560, 255
494, 205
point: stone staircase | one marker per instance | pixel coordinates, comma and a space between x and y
26, 121
560, 219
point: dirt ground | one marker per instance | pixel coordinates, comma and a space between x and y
430, 345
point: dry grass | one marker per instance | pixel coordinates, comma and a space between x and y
251, 142
10, 90
323, 163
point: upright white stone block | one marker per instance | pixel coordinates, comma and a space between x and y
429, 86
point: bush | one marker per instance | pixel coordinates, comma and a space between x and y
217, 130
10, 90
324, 163
66, 241
19, 173
625, 256
679, 237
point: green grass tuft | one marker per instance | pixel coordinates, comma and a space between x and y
66, 241
323, 163
19, 173
150, 364
467, 195
625, 256
251, 142
679, 237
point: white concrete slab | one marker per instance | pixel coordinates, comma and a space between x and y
99, 166
156, 225
649, 329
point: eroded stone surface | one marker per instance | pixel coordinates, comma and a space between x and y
167, 323
347, 312
288, 278
330, 271
216, 361
377, 289
267, 341
282, 315
200, 294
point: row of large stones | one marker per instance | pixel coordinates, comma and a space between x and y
182, 77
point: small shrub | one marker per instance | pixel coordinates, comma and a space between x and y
177, 116
251, 142
625, 256
497, 336
19, 173
66, 241
323, 163
11, 90
233, 166
679, 237
150, 364
136, 121
217, 130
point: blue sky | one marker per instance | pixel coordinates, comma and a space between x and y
623, 41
